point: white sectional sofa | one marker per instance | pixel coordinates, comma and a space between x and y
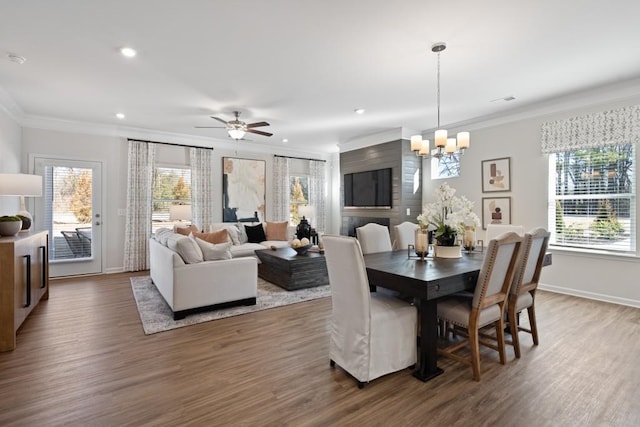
193, 275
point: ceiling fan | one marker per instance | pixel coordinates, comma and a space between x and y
237, 128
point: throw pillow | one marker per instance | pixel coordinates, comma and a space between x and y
186, 247
277, 231
255, 233
242, 234
162, 234
232, 230
185, 231
213, 252
220, 236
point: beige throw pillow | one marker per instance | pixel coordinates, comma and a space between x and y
186, 230
277, 231
220, 236
214, 252
186, 247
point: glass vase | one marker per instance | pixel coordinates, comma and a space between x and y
469, 239
422, 242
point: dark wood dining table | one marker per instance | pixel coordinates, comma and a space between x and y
425, 281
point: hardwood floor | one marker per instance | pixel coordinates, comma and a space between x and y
82, 359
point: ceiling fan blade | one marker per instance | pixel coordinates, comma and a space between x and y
259, 132
210, 127
257, 124
219, 119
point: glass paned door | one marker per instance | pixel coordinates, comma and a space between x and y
70, 210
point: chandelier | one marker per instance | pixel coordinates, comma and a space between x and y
443, 144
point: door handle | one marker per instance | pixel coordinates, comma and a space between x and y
28, 257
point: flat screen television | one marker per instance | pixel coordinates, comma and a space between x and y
370, 189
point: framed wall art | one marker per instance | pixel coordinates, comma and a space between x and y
496, 175
496, 210
243, 190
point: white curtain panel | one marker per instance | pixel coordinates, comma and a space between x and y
137, 229
201, 187
281, 189
613, 127
317, 192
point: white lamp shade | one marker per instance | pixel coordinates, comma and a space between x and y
440, 138
463, 140
180, 213
451, 146
306, 211
20, 184
424, 148
416, 142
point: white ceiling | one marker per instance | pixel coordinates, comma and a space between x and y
304, 66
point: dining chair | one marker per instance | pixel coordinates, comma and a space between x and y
494, 230
486, 307
371, 334
525, 282
405, 235
374, 238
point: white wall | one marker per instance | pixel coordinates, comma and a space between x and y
10, 136
603, 277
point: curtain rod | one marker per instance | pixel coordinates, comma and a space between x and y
169, 143
299, 158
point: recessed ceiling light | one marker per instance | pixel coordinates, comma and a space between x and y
285, 140
16, 58
121, 116
128, 52
359, 110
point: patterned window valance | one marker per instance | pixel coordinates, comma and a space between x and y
621, 126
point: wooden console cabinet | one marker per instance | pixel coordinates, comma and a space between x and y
24, 281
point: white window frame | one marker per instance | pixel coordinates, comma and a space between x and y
155, 222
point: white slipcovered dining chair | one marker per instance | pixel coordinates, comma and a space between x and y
522, 294
494, 230
487, 305
373, 238
371, 334
405, 235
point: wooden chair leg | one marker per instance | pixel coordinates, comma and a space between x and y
532, 323
513, 328
500, 337
475, 353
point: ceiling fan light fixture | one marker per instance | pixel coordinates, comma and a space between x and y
236, 133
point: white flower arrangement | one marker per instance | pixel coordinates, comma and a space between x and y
448, 215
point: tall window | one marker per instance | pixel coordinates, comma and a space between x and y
592, 202
299, 196
171, 186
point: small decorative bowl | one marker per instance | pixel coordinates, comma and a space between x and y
10, 228
301, 250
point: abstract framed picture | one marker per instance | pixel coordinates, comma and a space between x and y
243, 190
496, 175
496, 210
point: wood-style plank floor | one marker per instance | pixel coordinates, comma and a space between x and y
83, 359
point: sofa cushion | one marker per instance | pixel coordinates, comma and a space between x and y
162, 234
186, 247
255, 233
186, 230
232, 231
220, 236
214, 252
277, 231
246, 249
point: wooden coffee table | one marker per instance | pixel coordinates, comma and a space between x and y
285, 268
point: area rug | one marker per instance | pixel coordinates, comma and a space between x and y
156, 316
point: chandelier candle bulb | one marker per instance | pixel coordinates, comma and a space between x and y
424, 148
440, 138
463, 140
416, 142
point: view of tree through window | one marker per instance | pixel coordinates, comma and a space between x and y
171, 186
299, 196
594, 201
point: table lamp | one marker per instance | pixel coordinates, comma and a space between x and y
306, 211
180, 213
23, 185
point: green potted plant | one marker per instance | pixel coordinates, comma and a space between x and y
10, 225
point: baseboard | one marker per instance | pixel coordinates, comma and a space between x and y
590, 295
114, 270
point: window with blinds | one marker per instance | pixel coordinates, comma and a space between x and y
171, 186
592, 198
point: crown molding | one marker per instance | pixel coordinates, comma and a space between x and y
377, 138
